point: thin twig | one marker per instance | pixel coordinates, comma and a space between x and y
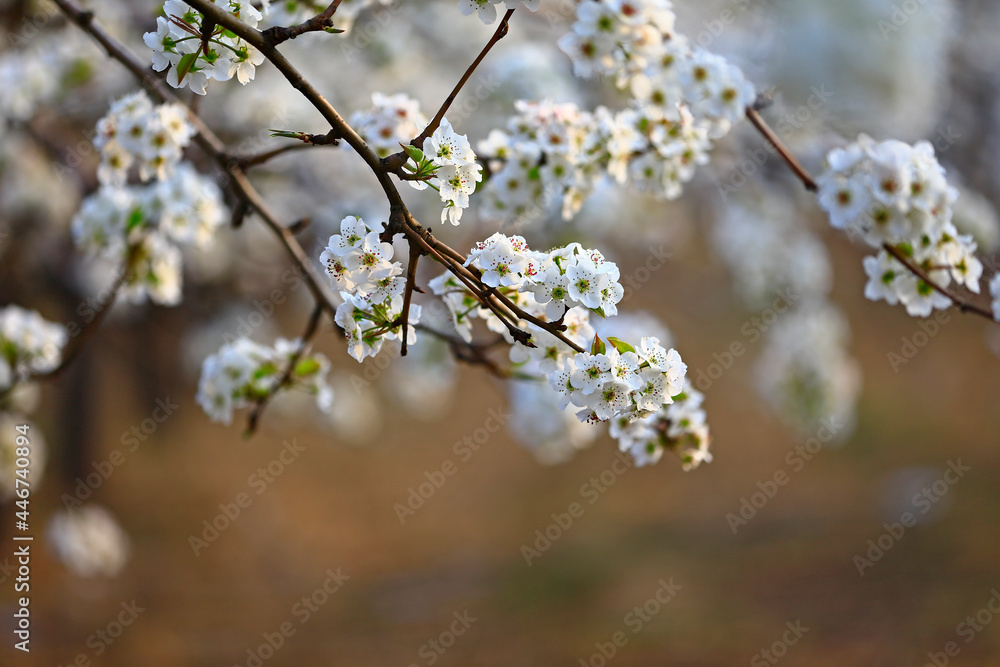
500, 33
88, 329
758, 122
278, 34
963, 304
311, 327
470, 353
205, 138
411, 285
249, 161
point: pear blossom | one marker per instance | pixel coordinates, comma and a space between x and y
243, 371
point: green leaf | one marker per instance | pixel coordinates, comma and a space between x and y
135, 218
307, 367
185, 65
332, 30
621, 345
265, 370
288, 134
598, 347
415, 153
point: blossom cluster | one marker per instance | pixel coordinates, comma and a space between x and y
450, 166
136, 131
681, 100
679, 427
178, 45
29, 344
392, 120
552, 151
567, 284
617, 380
893, 195
562, 278
243, 372
635, 42
358, 264
544, 423
486, 10
148, 223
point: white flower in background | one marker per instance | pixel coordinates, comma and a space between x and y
11, 451
28, 344
995, 296
157, 272
191, 207
974, 215
243, 371
540, 425
148, 223
89, 541
804, 371
486, 10
134, 131
392, 120
769, 252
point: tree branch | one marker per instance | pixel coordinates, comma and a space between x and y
73, 350
206, 139
758, 122
278, 34
963, 304
311, 327
500, 33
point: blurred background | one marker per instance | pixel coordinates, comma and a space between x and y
376, 534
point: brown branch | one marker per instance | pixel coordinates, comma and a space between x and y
246, 162
380, 169
470, 353
963, 304
278, 34
803, 175
87, 330
500, 33
206, 139
411, 285
311, 327
245, 191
